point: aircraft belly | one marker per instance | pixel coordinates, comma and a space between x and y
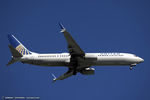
47, 62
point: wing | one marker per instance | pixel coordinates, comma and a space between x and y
64, 76
73, 47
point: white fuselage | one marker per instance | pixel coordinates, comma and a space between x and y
90, 59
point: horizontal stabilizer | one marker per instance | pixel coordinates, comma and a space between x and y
11, 62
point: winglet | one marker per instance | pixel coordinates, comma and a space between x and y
54, 77
62, 27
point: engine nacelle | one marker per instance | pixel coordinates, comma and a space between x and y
88, 71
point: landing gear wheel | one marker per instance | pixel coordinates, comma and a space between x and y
131, 67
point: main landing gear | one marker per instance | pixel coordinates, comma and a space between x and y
74, 72
131, 67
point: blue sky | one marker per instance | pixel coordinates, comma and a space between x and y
97, 26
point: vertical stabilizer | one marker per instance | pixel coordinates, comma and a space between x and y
16, 45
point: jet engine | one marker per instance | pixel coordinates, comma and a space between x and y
88, 71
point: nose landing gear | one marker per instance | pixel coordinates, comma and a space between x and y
131, 66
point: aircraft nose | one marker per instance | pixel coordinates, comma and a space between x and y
141, 60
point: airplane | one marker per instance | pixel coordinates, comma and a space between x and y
76, 59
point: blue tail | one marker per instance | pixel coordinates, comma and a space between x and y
17, 45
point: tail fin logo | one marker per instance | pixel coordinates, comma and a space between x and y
17, 45
22, 50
